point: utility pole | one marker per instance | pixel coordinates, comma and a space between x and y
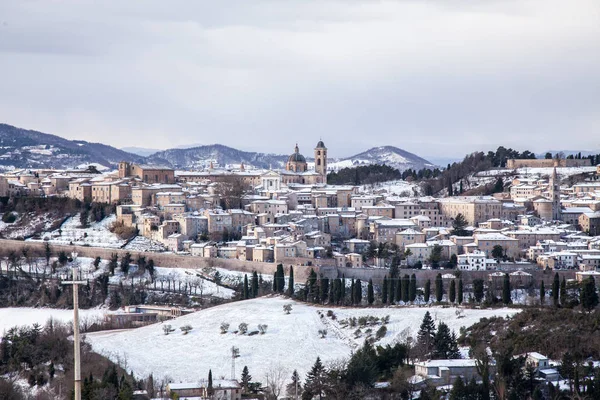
76, 341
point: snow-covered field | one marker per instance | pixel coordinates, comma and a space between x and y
142, 243
291, 341
395, 188
97, 235
17, 316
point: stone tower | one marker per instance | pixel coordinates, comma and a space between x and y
321, 161
554, 190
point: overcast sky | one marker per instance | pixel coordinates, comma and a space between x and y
438, 78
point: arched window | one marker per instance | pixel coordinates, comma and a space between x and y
318, 161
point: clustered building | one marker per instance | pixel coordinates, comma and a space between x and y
293, 215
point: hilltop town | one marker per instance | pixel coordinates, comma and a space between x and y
200, 249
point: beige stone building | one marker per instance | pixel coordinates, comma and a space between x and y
147, 173
474, 209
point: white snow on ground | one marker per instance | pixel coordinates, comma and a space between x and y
19, 316
398, 188
291, 341
142, 243
97, 235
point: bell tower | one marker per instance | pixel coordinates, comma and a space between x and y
321, 161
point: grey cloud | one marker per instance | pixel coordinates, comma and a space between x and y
436, 78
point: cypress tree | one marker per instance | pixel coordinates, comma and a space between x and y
427, 291
398, 295
358, 289
506, 291
324, 289
459, 294
589, 296
392, 290
210, 389
405, 288
254, 284
280, 278
245, 292
343, 289
384, 290
412, 290
555, 288
563, 292
542, 293
370, 293
352, 299
452, 293
291, 282
439, 288
275, 275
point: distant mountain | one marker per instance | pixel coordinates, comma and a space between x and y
388, 155
21, 148
202, 156
140, 151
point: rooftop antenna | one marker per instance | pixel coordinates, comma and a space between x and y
76, 281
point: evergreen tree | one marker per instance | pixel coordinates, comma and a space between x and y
405, 288
439, 288
210, 389
246, 378
555, 289
315, 383
542, 293
444, 343
459, 294
588, 295
245, 291
112, 265
426, 333
294, 387
343, 289
478, 290
412, 290
458, 226
370, 293
563, 292
398, 295
506, 290
427, 291
452, 292
280, 278
384, 290
275, 285
392, 289
324, 289
291, 282
352, 293
358, 289
254, 284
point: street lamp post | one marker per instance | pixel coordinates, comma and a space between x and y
76, 281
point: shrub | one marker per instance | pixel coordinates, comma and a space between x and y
224, 327
167, 329
122, 231
263, 328
323, 333
385, 320
287, 308
9, 217
243, 328
186, 328
381, 332
357, 333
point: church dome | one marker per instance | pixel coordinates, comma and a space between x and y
320, 145
296, 157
